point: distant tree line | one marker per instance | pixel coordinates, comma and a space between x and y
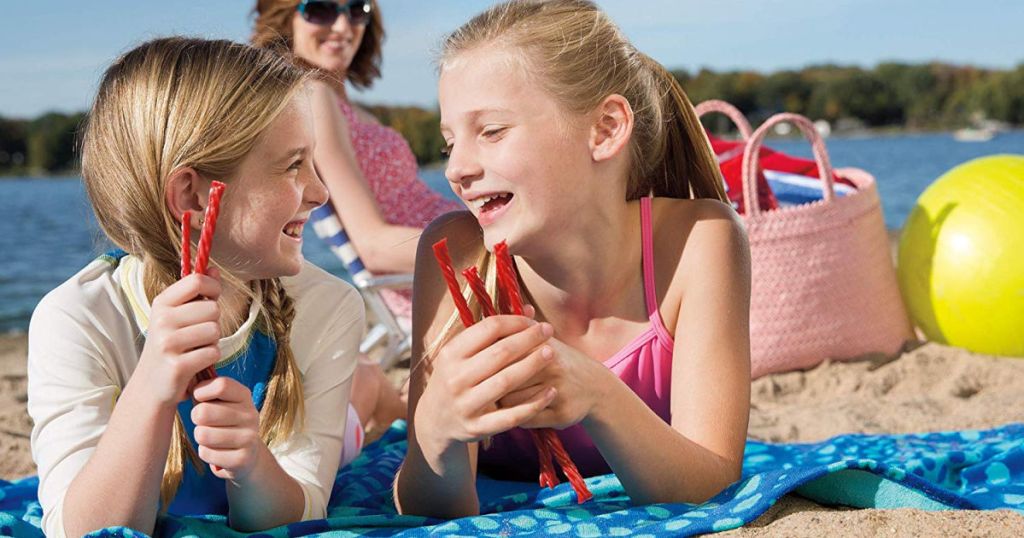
919, 97
892, 95
41, 146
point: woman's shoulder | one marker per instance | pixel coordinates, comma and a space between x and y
364, 115
325, 95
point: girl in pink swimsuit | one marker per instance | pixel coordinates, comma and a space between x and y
368, 168
586, 157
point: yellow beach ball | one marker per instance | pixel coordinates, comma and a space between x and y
961, 257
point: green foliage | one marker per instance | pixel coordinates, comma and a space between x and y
926, 96
419, 127
45, 145
13, 147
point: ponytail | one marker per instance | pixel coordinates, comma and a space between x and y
687, 168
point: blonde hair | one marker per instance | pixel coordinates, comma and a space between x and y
180, 102
573, 50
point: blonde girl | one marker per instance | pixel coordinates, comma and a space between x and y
121, 430
585, 155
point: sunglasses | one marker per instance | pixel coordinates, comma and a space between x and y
325, 12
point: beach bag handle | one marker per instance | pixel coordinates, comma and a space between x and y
751, 155
733, 113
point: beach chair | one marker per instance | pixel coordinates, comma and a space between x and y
386, 333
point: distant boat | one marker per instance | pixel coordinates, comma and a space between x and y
824, 128
970, 134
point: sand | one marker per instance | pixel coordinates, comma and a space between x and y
930, 388
15, 426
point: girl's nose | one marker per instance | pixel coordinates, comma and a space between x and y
315, 194
462, 165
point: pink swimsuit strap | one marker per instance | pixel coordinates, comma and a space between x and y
650, 289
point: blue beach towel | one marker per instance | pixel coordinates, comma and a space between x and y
935, 471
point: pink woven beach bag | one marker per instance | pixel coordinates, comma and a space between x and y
823, 282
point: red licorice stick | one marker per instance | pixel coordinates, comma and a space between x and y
209, 225
548, 478
568, 467
509, 284
186, 244
203, 252
479, 291
448, 272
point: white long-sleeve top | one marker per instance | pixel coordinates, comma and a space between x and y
86, 338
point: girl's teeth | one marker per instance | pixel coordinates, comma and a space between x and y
479, 203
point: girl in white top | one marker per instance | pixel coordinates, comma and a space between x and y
121, 430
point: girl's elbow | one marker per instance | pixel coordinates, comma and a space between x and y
700, 493
435, 505
731, 472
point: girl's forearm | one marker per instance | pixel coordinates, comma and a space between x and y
267, 497
120, 484
443, 486
654, 462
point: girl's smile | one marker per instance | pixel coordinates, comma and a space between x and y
488, 207
294, 229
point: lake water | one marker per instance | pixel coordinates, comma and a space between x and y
48, 232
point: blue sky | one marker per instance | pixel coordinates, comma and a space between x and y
52, 53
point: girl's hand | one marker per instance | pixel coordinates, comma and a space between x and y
227, 427
474, 370
579, 380
182, 337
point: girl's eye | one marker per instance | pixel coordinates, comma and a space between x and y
446, 151
491, 133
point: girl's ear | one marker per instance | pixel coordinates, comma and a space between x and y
183, 193
612, 127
